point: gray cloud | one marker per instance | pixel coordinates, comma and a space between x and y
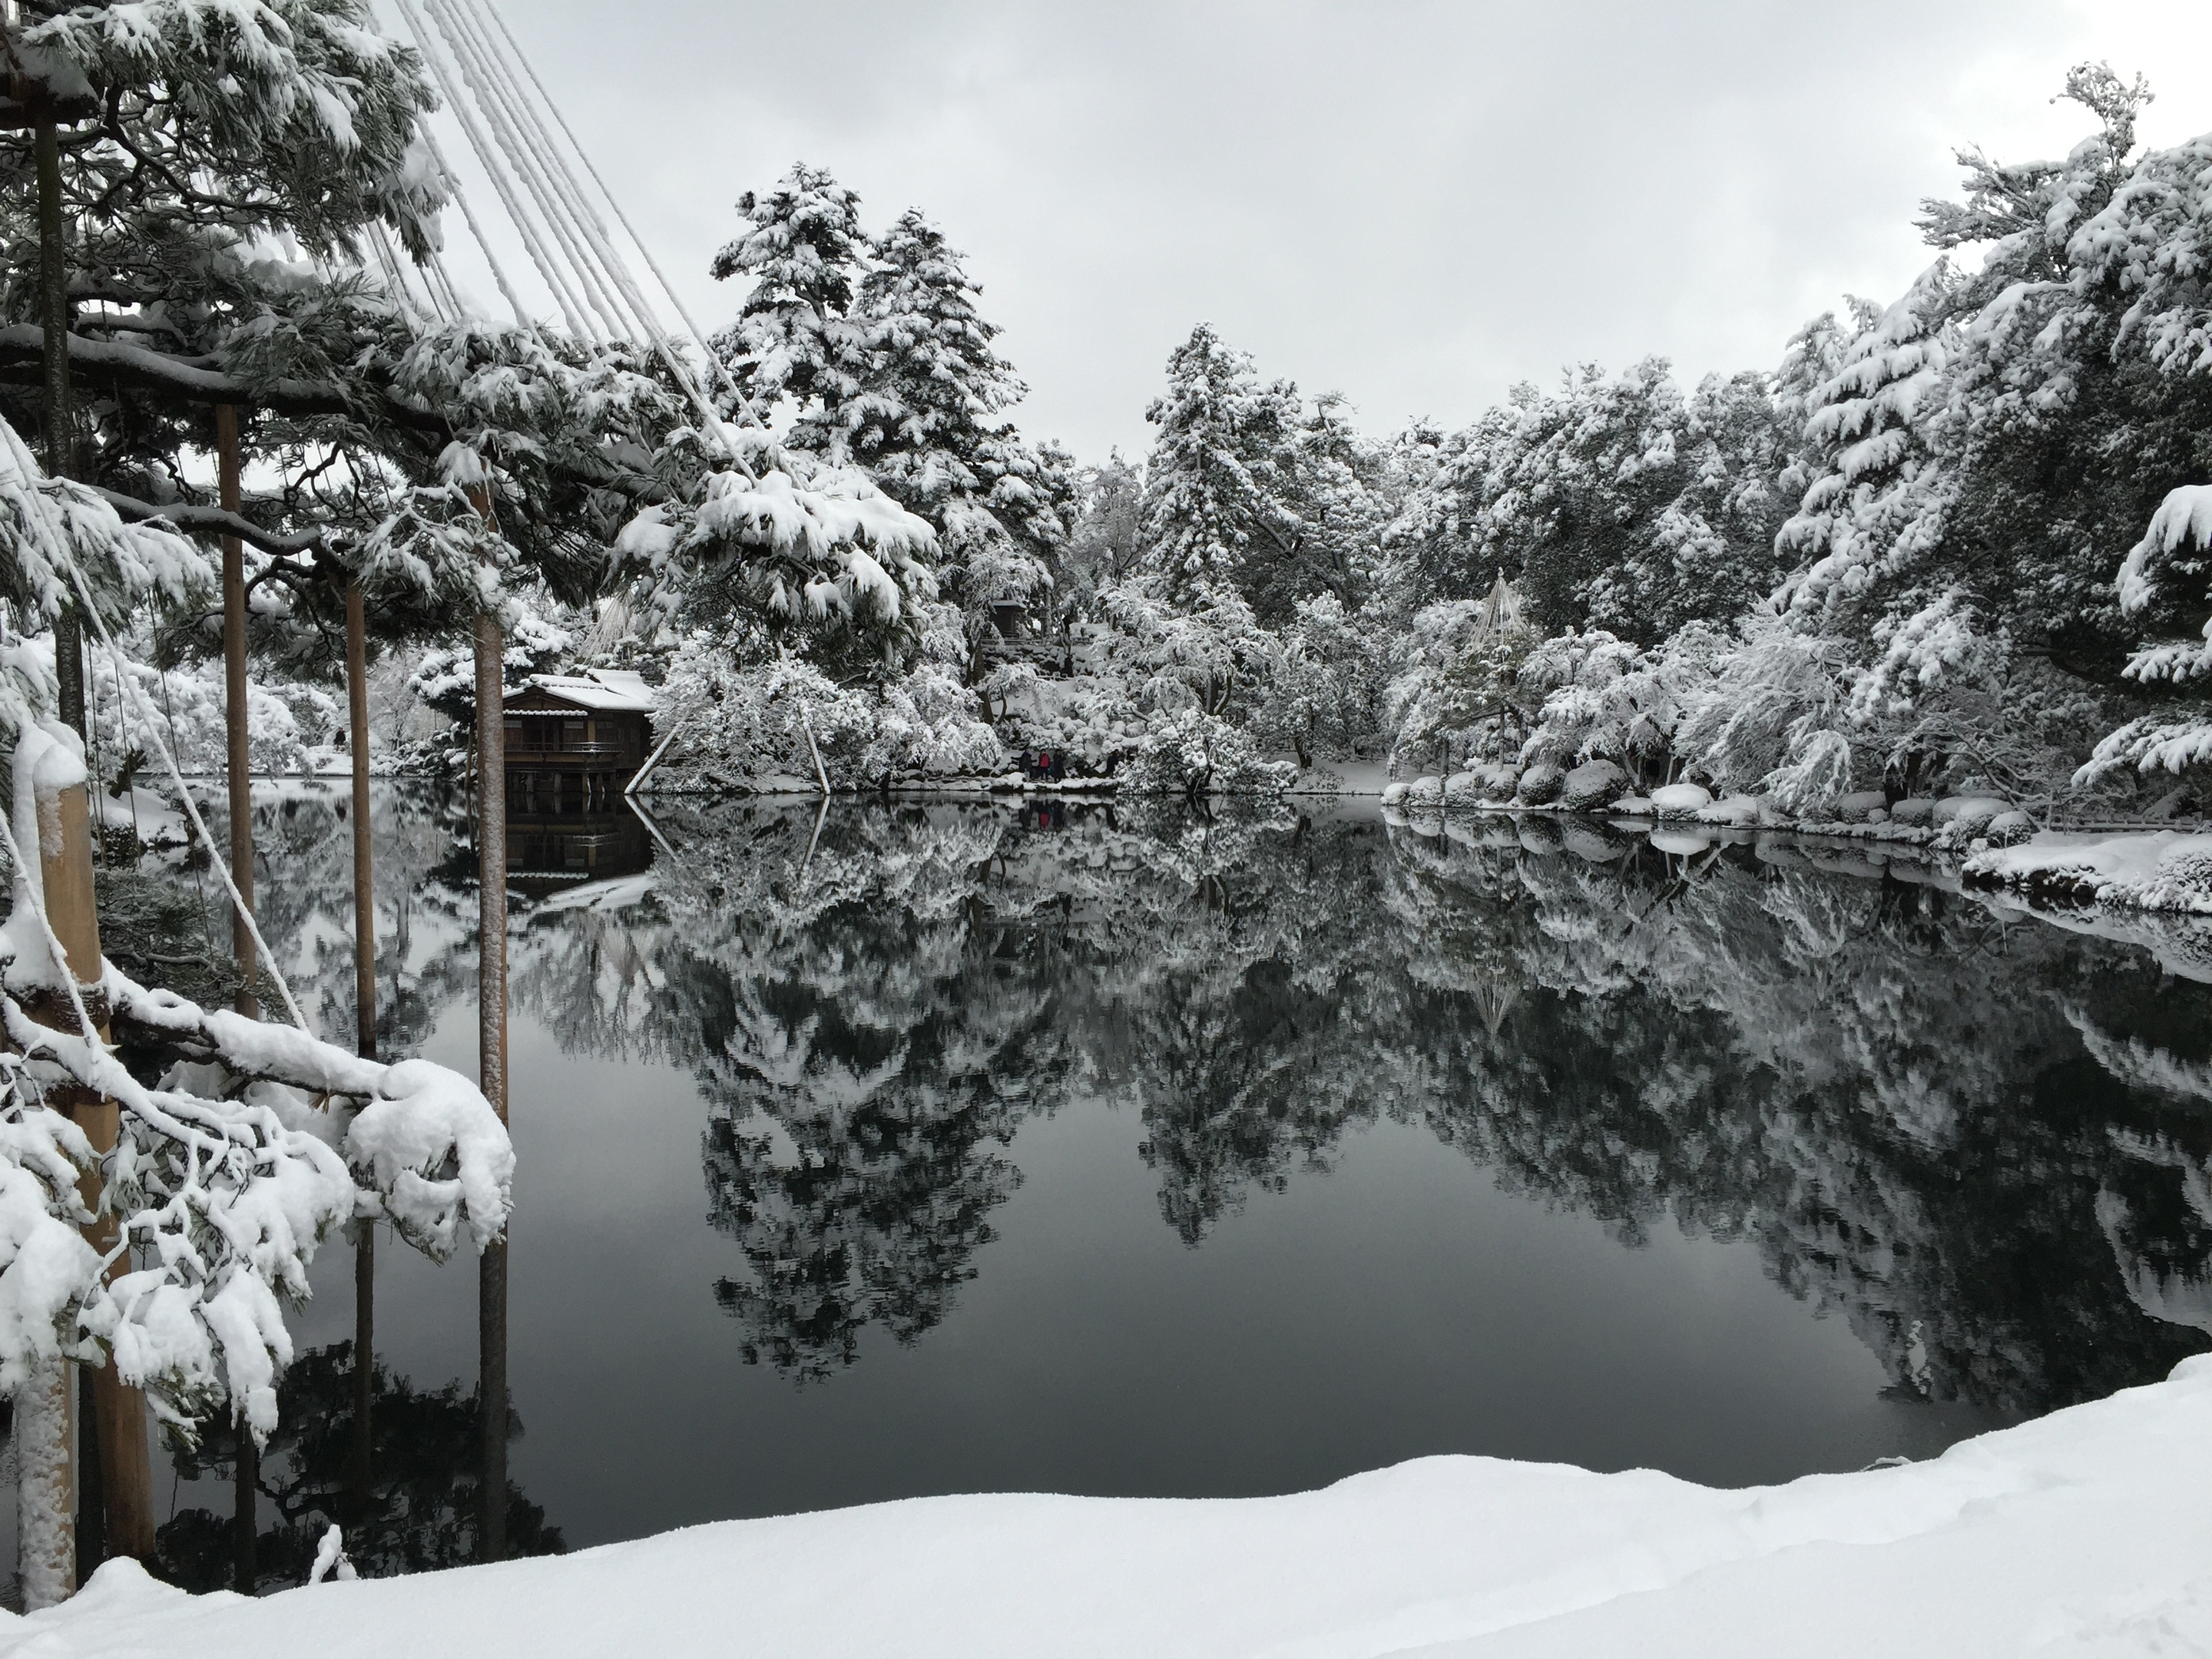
1415, 203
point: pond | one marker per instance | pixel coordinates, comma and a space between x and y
906, 1149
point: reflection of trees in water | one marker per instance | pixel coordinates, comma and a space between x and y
420, 1513
1971, 1134
423, 883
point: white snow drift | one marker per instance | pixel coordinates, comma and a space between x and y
2079, 1534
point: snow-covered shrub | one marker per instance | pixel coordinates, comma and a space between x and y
1592, 785
182, 709
928, 724
1680, 800
1539, 785
734, 720
1604, 698
1196, 754
1772, 714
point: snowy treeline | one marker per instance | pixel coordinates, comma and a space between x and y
1943, 540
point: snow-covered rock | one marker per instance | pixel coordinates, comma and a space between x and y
1632, 807
1878, 815
1680, 800
1592, 785
1541, 784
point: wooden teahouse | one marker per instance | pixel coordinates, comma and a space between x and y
574, 742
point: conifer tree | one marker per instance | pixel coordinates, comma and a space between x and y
1215, 483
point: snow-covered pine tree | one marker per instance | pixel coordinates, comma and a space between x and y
796, 340
1216, 483
924, 425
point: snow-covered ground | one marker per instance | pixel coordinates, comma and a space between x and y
2082, 1534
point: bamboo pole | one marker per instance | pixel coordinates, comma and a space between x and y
239, 767
491, 1049
363, 1473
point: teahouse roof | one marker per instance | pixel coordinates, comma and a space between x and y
613, 690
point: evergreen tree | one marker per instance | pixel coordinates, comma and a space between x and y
795, 338
1216, 483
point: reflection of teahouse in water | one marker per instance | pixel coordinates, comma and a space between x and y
573, 741
547, 852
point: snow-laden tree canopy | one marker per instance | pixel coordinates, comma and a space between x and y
248, 1152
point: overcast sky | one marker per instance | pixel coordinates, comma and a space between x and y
1416, 204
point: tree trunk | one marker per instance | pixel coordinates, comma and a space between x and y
239, 769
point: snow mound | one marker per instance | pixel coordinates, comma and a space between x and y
2080, 1533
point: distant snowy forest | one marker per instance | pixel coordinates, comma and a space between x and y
1926, 547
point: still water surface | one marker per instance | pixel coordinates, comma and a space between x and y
908, 1150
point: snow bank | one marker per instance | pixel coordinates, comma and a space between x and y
2079, 1533
2163, 871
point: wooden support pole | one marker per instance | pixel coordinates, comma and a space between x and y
239, 771
491, 1047
46, 1423
54, 319
240, 764
124, 1485
364, 895
362, 1474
